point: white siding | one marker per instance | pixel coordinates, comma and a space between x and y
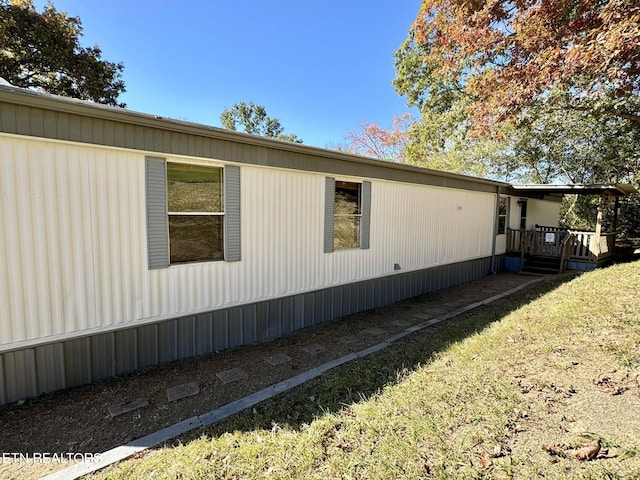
73, 240
541, 212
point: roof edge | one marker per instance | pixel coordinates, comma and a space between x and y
31, 98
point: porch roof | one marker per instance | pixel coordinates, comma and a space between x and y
615, 189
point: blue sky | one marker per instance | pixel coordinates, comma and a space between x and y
321, 67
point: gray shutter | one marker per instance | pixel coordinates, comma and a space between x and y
157, 228
231, 213
329, 201
365, 219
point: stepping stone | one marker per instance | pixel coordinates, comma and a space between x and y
400, 323
232, 375
182, 391
347, 339
119, 409
314, 349
375, 332
278, 359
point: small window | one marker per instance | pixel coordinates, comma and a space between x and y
503, 208
196, 213
347, 215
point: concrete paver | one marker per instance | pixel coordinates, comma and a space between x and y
182, 391
278, 359
232, 375
119, 409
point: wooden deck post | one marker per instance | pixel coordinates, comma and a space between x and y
599, 226
616, 207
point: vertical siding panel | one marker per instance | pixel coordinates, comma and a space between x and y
167, 341
75, 128
147, 345
286, 315
318, 306
20, 375
204, 334
8, 119
327, 309
186, 337
249, 324
309, 310
298, 312
77, 362
23, 117
103, 356
275, 318
118, 135
336, 293
235, 327
86, 129
220, 331
3, 384
262, 321
9, 263
49, 360
62, 126
37, 122
126, 351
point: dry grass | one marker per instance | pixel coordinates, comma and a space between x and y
512, 390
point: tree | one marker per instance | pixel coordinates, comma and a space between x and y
254, 120
42, 51
372, 140
505, 54
526, 90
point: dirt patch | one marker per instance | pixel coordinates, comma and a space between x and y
78, 420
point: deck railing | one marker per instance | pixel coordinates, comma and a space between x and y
582, 246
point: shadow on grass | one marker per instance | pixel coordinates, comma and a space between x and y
363, 378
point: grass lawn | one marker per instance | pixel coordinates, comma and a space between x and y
510, 390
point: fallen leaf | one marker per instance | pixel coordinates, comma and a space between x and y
485, 461
609, 453
557, 450
611, 387
589, 451
497, 450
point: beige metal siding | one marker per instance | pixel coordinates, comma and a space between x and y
73, 240
541, 212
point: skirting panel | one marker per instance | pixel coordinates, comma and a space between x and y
32, 371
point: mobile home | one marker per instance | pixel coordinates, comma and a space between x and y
129, 240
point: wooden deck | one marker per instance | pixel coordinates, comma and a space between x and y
570, 246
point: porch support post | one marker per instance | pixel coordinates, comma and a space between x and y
596, 250
616, 207
495, 231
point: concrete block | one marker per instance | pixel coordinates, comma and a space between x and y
232, 375
314, 349
121, 408
182, 391
278, 359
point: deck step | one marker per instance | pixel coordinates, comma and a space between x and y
542, 265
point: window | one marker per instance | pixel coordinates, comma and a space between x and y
523, 214
503, 208
196, 213
193, 212
347, 215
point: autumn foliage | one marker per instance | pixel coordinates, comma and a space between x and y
505, 53
371, 140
